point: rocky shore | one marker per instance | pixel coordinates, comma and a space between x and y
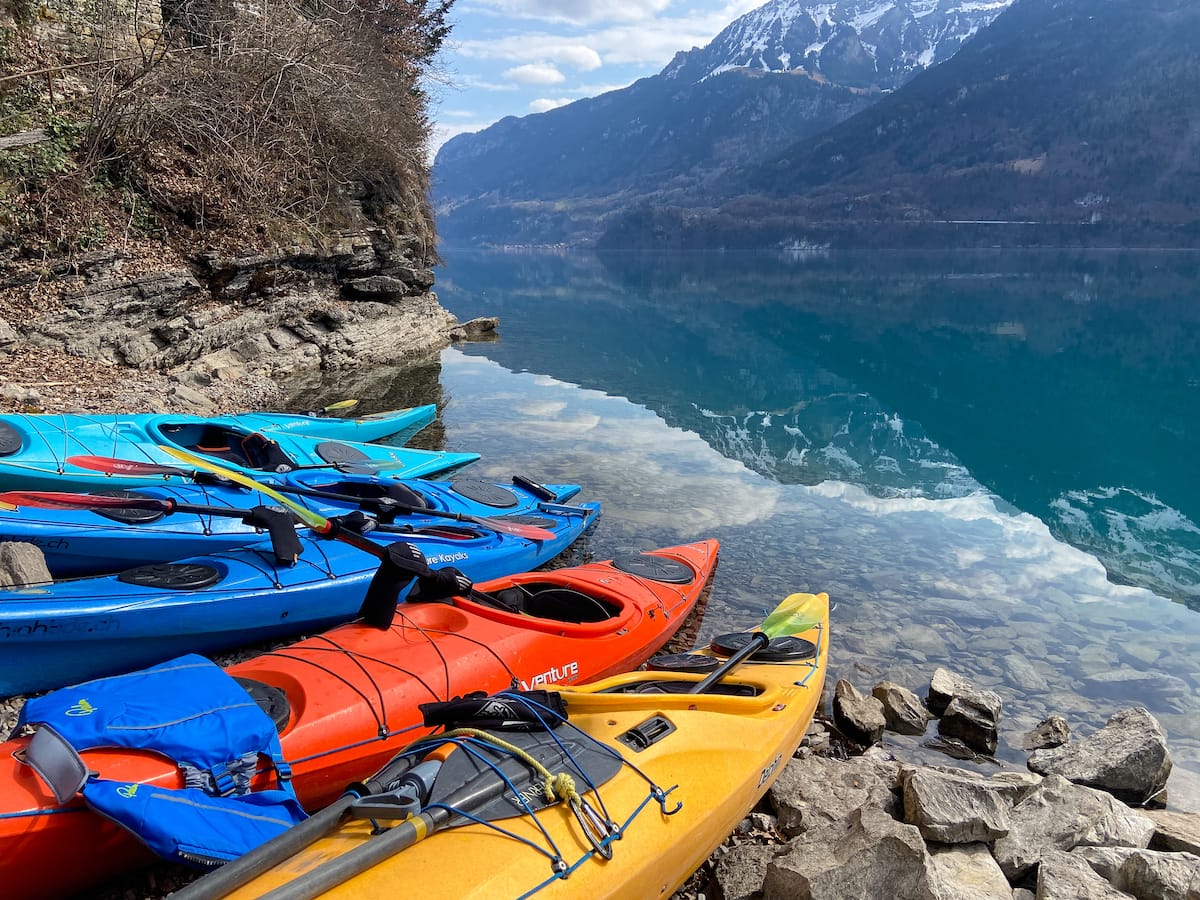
143, 328
847, 819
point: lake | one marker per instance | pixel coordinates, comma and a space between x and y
984, 458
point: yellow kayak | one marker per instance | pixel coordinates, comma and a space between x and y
661, 776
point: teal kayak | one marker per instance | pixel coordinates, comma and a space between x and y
35, 449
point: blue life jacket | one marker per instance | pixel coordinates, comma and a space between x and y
191, 711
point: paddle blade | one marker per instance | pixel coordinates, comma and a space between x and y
114, 466
519, 529
317, 522
796, 614
340, 406
62, 500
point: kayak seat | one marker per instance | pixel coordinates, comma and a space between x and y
370, 490
558, 604
250, 451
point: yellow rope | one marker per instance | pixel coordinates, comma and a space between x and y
554, 787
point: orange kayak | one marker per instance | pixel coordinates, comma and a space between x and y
347, 699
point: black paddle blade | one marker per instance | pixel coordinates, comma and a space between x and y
280, 525
399, 564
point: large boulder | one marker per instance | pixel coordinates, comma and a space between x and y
1063, 876
1153, 875
816, 791
1060, 815
868, 856
955, 809
1128, 757
967, 872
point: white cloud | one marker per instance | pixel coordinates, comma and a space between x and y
535, 73
578, 56
543, 104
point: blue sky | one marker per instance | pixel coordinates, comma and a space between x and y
515, 57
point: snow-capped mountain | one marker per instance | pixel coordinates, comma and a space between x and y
787, 71
859, 43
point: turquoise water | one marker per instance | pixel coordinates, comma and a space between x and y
984, 459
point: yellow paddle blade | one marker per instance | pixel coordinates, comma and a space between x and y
7, 506
307, 516
796, 614
340, 406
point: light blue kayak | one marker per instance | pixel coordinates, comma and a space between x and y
94, 541
74, 630
35, 449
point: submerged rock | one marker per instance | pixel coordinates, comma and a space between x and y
1052, 731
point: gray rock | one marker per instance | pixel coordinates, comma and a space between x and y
1128, 757
1023, 894
1104, 860
1022, 673
421, 279
1062, 876
859, 717
944, 686
974, 719
967, 872
902, 709
482, 328
954, 809
1154, 875
869, 856
8, 335
375, 287
739, 873
1179, 831
1060, 815
1052, 731
816, 791
22, 564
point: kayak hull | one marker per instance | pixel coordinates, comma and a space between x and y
69, 631
722, 755
34, 449
78, 542
352, 695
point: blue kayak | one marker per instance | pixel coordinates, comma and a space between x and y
35, 449
69, 631
95, 541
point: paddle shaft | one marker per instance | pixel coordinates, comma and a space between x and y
244, 869
757, 641
379, 847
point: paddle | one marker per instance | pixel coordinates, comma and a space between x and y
130, 467
467, 788
278, 523
797, 613
340, 406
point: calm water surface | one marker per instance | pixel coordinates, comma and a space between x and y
986, 460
